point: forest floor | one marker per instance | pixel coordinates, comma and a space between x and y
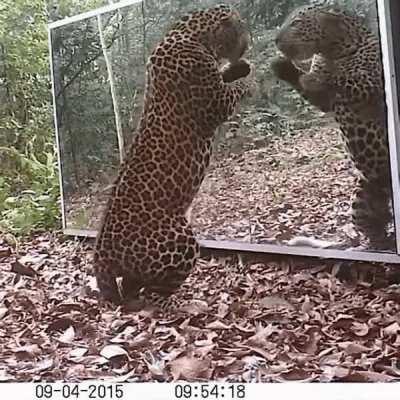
276, 188
282, 319
273, 188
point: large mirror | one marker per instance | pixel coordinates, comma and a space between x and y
291, 168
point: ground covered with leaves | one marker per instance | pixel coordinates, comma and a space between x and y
275, 188
282, 319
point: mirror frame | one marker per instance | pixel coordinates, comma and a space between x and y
389, 28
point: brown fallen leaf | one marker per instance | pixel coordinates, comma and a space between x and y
76, 372
43, 365
157, 371
208, 341
360, 329
297, 374
275, 302
203, 351
3, 312
330, 373
392, 329
78, 352
122, 378
28, 352
5, 251
68, 336
229, 365
265, 353
22, 269
4, 377
173, 354
33, 259
307, 305
67, 307
156, 366
112, 350
223, 310
218, 325
190, 368
354, 348
310, 345
59, 324
125, 335
368, 376
195, 307
343, 322
140, 340
393, 369
260, 338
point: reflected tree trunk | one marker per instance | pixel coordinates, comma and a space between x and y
144, 31
111, 79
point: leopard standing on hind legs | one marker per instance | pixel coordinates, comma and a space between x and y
145, 238
346, 78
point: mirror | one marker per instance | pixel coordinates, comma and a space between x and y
293, 171
281, 171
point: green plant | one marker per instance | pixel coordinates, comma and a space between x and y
34, 208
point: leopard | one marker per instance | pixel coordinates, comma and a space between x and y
345, 78
196, 77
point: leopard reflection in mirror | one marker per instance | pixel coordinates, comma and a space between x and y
345, 77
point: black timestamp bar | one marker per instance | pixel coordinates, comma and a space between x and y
209, 391
96, 391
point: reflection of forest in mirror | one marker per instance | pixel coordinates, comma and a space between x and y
87, 139
280, 169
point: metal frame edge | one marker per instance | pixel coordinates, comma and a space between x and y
92, 13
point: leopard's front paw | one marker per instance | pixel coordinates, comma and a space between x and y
238, 70
285, 70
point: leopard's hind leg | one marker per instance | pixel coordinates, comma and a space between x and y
168, 262
371, 212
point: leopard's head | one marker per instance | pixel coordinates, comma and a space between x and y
320, 29
220, 29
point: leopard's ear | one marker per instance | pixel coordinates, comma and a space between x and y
230, 19
332, 22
